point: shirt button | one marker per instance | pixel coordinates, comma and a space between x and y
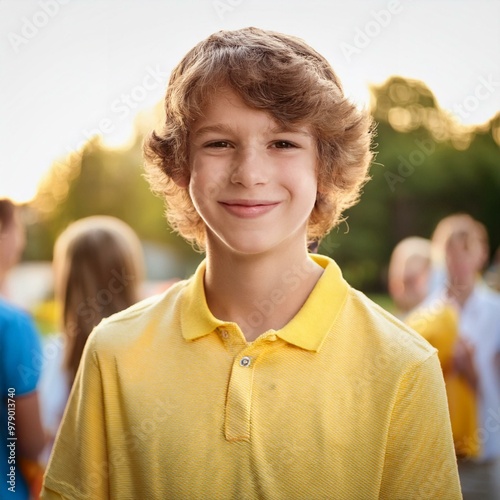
245, 361
224, 334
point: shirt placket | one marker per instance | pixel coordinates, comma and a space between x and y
239, 398
239, 394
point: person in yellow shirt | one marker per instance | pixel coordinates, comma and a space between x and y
466, 250
438, 323
265, 375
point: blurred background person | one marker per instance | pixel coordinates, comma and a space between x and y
20, 356
466, 256
437, 320
98, 271
465, 243
12, 243
408, 275
439, 239
492, 275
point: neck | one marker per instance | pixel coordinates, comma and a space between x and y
259, 292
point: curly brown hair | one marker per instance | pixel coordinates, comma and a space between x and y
276, 73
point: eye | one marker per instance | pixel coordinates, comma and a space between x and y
283, 145
218, 144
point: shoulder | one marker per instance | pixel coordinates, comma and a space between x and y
380, 331
17, 328
162, 304
483, 307
365, 332
487, 297
149, 316
13, 317
436, 313
20, 349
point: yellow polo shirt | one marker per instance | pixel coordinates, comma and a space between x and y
437, 322
344, 402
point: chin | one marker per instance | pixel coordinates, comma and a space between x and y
250, 248
249, 245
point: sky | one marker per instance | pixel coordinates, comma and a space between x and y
70, 69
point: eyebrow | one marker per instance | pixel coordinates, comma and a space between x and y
225, 129
219, 128
283, 129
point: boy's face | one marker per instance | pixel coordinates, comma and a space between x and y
253, 183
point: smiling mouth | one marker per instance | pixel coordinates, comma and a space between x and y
249, 208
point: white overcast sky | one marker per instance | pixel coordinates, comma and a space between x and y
71, 67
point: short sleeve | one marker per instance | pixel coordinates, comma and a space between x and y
21, 353
78, 466
420, 458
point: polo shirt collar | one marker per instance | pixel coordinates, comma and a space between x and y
196, 318
311, 325
307, 329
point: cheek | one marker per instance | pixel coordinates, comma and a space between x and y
307, 189
203, 188
207, 180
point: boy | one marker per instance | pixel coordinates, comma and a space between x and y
265, 375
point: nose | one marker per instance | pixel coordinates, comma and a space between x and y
249, 168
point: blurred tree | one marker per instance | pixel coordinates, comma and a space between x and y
427, 166
99, 180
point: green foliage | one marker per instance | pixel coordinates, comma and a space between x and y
427, 167
100, 181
